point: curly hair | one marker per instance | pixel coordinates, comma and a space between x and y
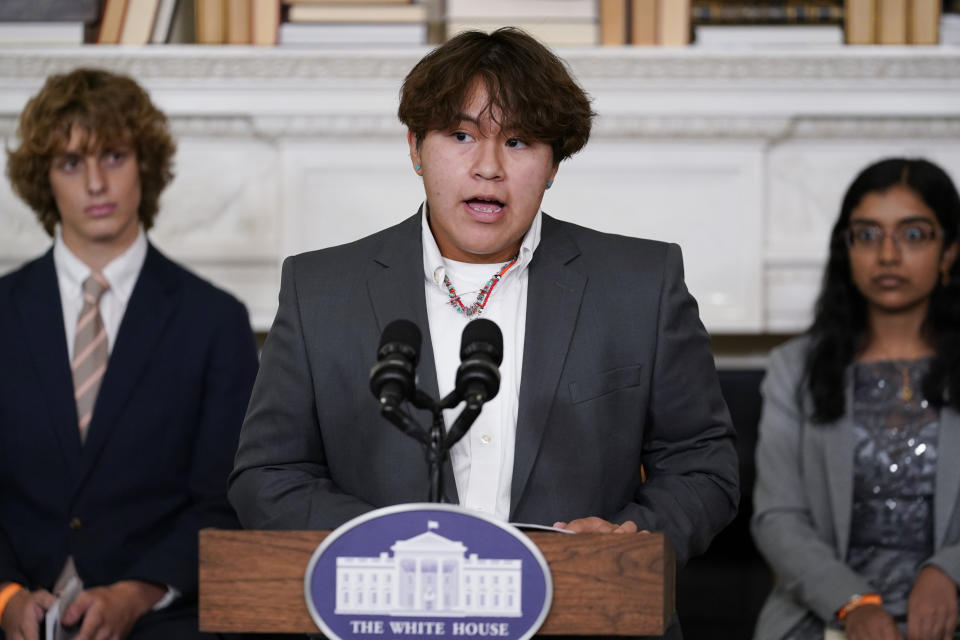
838, 331
111, 109
525, 82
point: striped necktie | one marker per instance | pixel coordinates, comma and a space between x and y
90, 351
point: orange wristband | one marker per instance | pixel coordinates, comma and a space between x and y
858, 601
6, 593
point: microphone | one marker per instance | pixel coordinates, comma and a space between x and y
481, 352
393, 378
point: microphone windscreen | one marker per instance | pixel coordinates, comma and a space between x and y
402, 332
482, 336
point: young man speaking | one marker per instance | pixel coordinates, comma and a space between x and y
606, 368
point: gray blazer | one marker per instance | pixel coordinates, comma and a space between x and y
804, 494
617, 372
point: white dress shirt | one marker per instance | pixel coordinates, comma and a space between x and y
483, 460
121, 273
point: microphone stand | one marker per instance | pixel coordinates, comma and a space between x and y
437, 446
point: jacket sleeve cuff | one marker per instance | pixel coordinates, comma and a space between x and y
948, 561
167, 599
830, 598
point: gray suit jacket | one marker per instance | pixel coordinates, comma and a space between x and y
617, 372
804, 496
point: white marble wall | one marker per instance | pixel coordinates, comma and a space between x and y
741, 158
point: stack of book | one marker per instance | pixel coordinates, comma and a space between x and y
236, 21
349, 23
553, 22
47, 22
764, 23
645, 22
139, 22
136, 22
767, 12
892, 22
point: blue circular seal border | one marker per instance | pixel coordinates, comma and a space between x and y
349, 526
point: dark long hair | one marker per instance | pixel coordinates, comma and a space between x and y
840, 317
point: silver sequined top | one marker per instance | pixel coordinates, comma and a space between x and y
895, 462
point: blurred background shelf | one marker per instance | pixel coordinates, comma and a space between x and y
371, 23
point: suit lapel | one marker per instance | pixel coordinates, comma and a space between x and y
839, 441
152, 303
396, 291
947, 487
553, 304
41, 317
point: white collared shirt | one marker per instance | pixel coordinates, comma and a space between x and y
121, 272
483, 460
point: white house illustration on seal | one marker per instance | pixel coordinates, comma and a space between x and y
428, 575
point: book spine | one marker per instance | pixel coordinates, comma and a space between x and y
811, 12
924, 22
892, 22
210, 21
238, 22
643, 22
114, 13
860, 21
673, 22
613, 22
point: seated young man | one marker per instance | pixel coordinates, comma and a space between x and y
606, 366
124, 378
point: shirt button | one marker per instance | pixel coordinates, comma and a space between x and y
480, 509
485, 438
75, 524
438, 275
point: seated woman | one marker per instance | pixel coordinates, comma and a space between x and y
857, 473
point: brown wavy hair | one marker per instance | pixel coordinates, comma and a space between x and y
112, 110
525, 82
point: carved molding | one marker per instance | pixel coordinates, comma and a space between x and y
777, 129
874, 128
341, 125
689, 127
284, 65
607, 127
782, 67
212, 63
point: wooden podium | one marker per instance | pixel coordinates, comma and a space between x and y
603, 584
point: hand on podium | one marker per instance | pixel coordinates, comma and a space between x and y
598, 525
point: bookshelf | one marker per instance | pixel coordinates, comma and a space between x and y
375, 23
287, 150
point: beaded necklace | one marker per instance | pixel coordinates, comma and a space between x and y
477, 307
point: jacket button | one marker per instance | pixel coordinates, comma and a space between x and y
75, 524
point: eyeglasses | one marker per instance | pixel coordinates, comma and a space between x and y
910, 236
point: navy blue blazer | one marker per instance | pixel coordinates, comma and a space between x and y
129, 502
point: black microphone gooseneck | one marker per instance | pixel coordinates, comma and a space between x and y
393, 380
